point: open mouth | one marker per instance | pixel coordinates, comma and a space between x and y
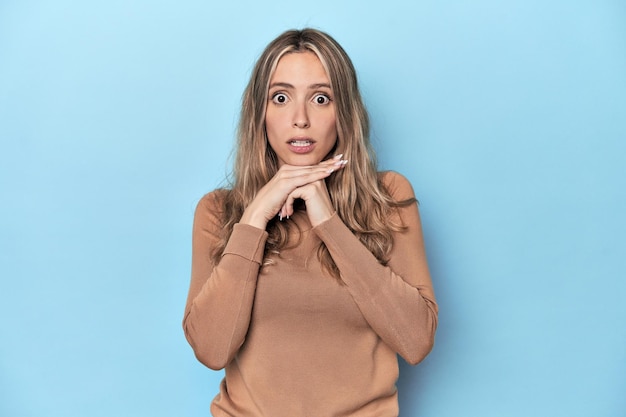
300, 142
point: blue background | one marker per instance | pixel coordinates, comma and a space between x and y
509, 118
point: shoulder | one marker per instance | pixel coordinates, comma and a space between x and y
398, 187
213, 201
211, 207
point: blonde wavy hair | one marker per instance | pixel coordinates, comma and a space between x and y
356, 191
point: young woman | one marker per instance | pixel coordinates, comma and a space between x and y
309, 274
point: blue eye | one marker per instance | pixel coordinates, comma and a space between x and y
279, 98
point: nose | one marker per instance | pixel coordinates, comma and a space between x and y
301, 117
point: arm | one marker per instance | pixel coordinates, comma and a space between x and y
220, 297
219, 304
396, 300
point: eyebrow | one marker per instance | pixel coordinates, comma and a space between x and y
311, 87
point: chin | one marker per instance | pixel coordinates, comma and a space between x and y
304, 160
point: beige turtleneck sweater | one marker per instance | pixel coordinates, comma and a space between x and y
296, 342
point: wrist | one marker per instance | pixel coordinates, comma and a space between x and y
253, 219
318, 219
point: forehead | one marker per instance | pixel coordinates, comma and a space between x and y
299, 66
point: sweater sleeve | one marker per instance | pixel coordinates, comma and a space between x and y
397, 300
219, 303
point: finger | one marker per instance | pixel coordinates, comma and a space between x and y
332, 160
294, 179
338, 165
329, 165
303, 178
290, 180
288, 206
329, 161
318, 204
287, 209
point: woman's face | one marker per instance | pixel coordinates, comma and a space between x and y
300, 117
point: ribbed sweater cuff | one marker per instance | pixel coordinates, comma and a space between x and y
247, 241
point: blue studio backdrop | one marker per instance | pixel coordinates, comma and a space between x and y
509, 118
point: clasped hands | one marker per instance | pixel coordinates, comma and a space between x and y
291, 182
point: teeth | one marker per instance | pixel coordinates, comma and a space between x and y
300, 142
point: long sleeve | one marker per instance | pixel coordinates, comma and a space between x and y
219, 304
396, 300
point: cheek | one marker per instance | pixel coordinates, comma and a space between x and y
271, 125
331, 126
275, 121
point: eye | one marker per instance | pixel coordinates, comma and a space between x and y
279, 98
321, 99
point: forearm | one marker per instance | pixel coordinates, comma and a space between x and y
217, 319
404, 315
219, 305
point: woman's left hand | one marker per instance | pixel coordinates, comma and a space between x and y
319, 207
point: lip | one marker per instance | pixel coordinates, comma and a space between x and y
301, 145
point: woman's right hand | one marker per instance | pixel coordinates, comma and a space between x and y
270, 199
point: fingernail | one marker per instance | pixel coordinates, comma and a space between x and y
338, 156
345, 161
280, 217
330, 171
